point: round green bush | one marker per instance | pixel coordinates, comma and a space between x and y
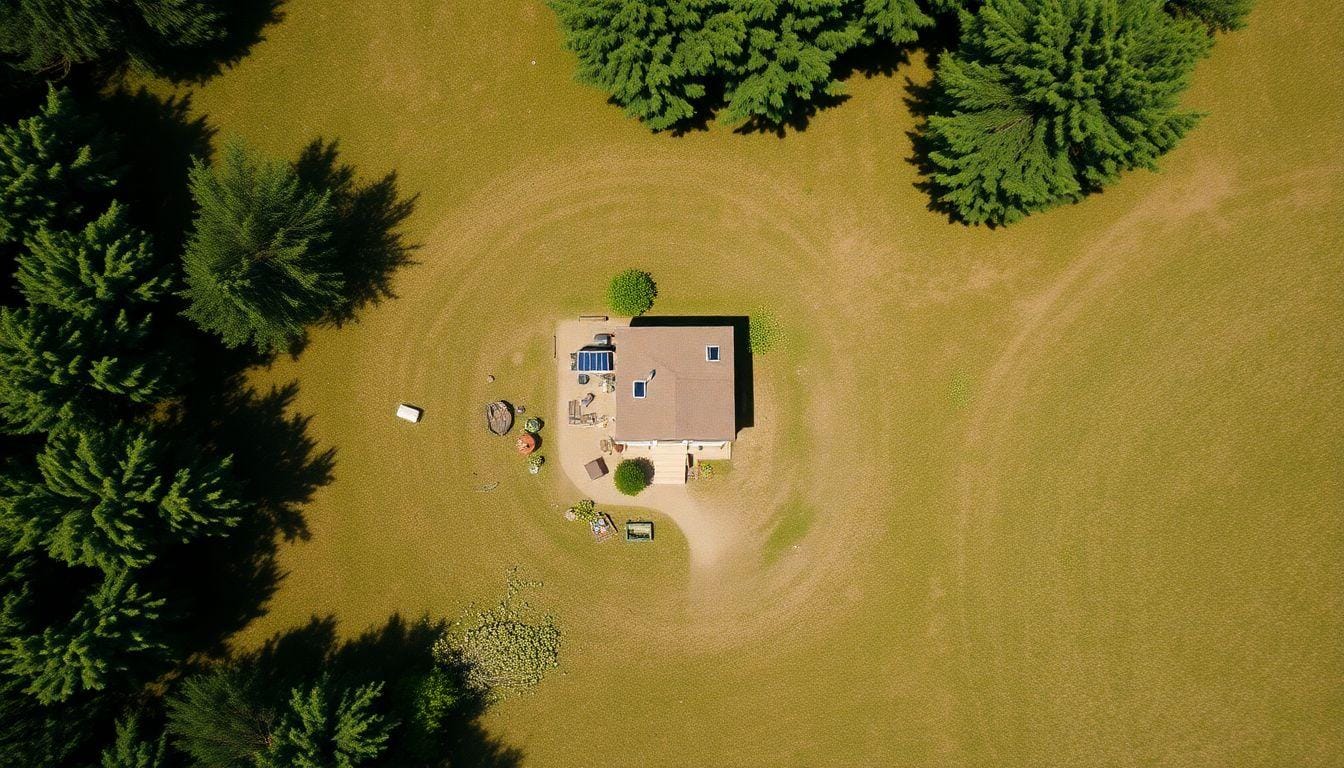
631, 292
764, 332
632, 476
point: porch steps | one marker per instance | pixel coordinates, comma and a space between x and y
669, 464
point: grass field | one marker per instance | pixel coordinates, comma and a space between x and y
1067, 493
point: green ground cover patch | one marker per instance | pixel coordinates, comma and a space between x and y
792, 523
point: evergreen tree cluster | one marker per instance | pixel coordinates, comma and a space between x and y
113, 481
45, 34
755, 61
223, 718
1045, 101
84, 362
1038, 103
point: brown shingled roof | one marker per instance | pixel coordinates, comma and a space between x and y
689, 398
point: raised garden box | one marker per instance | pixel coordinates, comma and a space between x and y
639, 530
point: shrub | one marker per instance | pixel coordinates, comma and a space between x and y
585, 511
631, 293
502, 651
437, 697
632, 476
764, 332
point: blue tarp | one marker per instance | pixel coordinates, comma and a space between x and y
595, 362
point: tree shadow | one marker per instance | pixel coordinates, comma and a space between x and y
227, 582
870, 61
943, 36
21, 94
704, 108
217, 587
280, 466
800, 117
156, 140
368, 245
398, 653
242, 26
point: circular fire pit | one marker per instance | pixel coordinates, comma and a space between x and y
526, 443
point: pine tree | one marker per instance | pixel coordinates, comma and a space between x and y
899, 21
51, 165
1217, 15
106, 266
87, 341
179, 22
130, 750
771, 59
652, 57
1049, 100
48, 34
32, 734
950, 6
786, 64
113, 627
216, 719
111, 497
316, 734
258, 265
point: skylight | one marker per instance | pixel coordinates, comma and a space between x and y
641, 389
712, 353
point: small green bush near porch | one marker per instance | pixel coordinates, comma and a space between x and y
632, 476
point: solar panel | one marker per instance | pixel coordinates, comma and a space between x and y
595, 362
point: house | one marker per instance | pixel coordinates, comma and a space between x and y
675, 394
662, 393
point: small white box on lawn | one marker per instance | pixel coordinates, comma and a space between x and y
409, 413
